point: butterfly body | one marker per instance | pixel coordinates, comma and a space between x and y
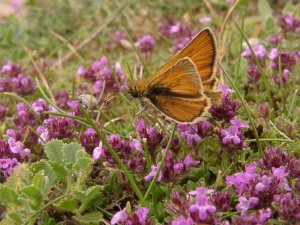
183, 87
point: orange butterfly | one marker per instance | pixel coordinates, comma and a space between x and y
184, 88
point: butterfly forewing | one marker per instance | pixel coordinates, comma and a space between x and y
202, 51
180, 80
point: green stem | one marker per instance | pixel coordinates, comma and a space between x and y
245, 107
73, 88
114, 155
47, 205
46, 97
147, 155
26, 103
240, 50
292, 103
154, 195
282, 91
261, 70
161, 164
78, 119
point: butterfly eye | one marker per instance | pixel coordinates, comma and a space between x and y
133, 92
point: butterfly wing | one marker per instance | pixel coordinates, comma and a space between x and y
202, 51
178, 92
180, 80
182, 110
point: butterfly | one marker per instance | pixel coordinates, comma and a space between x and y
184, 88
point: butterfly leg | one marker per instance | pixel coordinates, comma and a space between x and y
143, 109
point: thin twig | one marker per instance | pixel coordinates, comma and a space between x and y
41, 75
280, 132
70, 46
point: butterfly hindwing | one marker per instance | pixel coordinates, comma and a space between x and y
178, 92
182, 110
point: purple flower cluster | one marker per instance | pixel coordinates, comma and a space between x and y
289, 23
228, 107
231, 138
12, 152
130, 152
146, 43
199, 209
259, 218
275, 39
260, 52
56, 128
205, 20
139, 217
119, 36
22, 121
193, 134
149, 134
262, 192
171, 170
181, 34
89, 140
289, 207
13, 80
287, 59
101, 74
62, 98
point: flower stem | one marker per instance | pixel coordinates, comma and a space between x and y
47, 205
161, 164
114, 155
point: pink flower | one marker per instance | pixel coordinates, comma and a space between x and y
120, 216
153, 172
202, 208
205, 19
98, 151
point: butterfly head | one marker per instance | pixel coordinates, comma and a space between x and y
133, 92
132, 89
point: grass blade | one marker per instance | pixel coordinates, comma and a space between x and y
261, 70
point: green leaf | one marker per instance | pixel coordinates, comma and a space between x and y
67, 205
70, 151
83, 164
20, 177
82, 154
80, 195
48, 173
8, 196
90, 218
54, 151
92, 196
38, 179
59, 171
32, 192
